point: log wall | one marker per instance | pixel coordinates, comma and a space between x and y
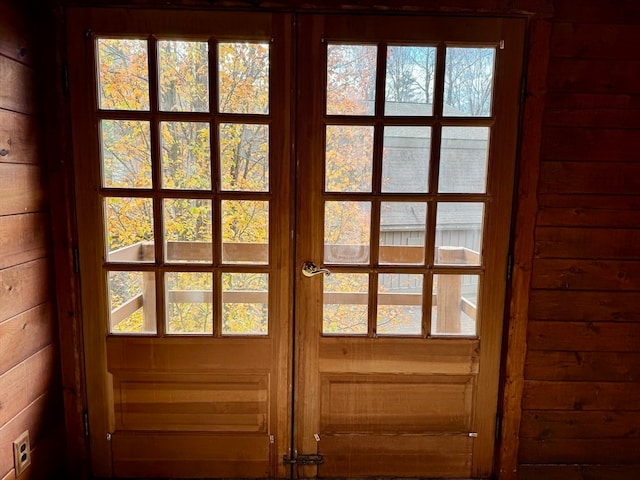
581, 398
30, 389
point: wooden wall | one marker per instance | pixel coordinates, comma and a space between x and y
581, 398
30, 392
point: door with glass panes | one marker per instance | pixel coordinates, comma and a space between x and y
292, 240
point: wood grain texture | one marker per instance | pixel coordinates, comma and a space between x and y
22, 189
15, 35
583, 366
592, 110
17, 86
587, 243
18, 138
23, 238
579, 472
597, 11
579, 336
589, 144
581, 451
604, 41
589, 178
577, 76
586, 306
609, 396
23, 287
26, 334
544, 424
586, 274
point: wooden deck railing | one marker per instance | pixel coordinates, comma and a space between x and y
449, 300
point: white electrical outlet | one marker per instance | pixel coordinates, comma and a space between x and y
21, 452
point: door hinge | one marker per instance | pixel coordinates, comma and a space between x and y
509, 266
311, 459
76, 260
85, 421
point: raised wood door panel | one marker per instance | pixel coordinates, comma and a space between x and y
181, 128
398, 349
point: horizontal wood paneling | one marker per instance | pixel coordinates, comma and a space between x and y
552, 424
592, 110
17, 86
583, 366
597, 11
571, 274
579, 472
585, 217
577, 76
588, 243
605, 41
594, 451
591, 202
590, 145
18, 138
23, 238
579, 336
22, 189
23, 287
25, 334
610, 396
15, 37
592, 306
590, 177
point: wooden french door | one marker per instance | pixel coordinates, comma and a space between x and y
293, 235
406, 146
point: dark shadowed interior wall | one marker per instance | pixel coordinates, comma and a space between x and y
30, 389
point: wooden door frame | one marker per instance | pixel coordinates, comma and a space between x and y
59, 158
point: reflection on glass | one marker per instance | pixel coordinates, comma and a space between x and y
409, 80
351, 79
463, 160
184, 76
245, 231
186, 155
123, 78
349, 158
347, 228
126, 154
243, 77
455, 306
129, 229
244, 157
187, 230
468, 81
402, 226
245, 304
189, 297
399, 304
132, 302
459, 233
405, 159
345, 299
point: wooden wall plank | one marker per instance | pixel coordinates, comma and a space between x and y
23, 238
583, 366
542, 424
589, 217
26, 334
18, 138
592, 110
597, 11
22, 189
603, 275
594, 451
15, 38
609, 396
17, 86
591, 178
579, 472
589, 144
25, 382
586, 306
591, 202
580, 336
605, 41
577, 76
587, 243
23, 287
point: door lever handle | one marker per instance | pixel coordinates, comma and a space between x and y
309, 269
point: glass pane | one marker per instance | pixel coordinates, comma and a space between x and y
459, 233
351, 79
132, 302
184, 76
463, 160
405, 159
455, 306
126, 154
129, 229
245, 231
468, 81
349, 158
123, 74
346, 304
347, 232
244, 157
399, 304
243, 77
187, 230
402, 232
189, 302
186, 155
245, 304
410, 74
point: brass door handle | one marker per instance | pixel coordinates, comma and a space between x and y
309, 269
